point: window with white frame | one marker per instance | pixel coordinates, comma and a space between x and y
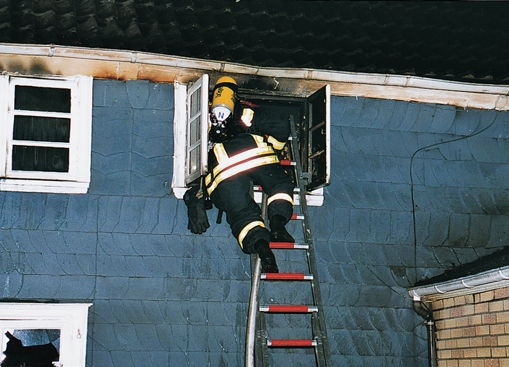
191, 135
45, 134
42, 334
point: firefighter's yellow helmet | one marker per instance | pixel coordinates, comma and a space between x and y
223, 98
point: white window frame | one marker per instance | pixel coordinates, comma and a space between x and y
197, 112
77, 179
181, 123
70, 318
178, 182
182, 173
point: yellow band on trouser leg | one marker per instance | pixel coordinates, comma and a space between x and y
280, 197
246, 230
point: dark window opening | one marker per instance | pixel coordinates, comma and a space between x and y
42, 129
285, 109
42, 99
32, 347
45, 159
309, 116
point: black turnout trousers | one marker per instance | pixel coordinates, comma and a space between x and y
233, 196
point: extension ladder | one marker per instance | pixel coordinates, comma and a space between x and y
271, 327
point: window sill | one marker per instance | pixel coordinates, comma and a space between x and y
55, 187
314, 198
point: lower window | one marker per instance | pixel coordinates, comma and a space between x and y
43, 334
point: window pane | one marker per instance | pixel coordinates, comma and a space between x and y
42, 99
46, 159
41, 129
195, 102
194, 160
44, 343
194, 131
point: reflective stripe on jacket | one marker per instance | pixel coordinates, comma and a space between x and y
256, 153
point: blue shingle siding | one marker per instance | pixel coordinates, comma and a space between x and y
164, 297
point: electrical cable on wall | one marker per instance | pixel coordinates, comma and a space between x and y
423, 149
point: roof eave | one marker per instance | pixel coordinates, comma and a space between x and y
468, 285
133, 65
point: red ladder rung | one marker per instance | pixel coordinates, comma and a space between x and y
287, 162
299, 343
296, 190
286, 276
288, 309
288, 246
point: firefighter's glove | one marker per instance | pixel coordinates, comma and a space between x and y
198, 221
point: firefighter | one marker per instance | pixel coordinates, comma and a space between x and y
244, 145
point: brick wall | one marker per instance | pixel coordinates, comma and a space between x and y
473, 330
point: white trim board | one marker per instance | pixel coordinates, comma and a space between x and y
132, 65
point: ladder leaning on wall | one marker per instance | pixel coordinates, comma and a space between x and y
262, 348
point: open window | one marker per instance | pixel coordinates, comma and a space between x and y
45, 134
315, 139
311, 116
190, 134
197, 129
42, 334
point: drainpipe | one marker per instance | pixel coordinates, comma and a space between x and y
424, 310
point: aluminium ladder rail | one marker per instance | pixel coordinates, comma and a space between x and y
258, 342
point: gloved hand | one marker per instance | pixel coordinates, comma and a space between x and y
198, 220
196, 210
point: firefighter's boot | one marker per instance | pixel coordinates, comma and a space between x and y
267, 257
278, 232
